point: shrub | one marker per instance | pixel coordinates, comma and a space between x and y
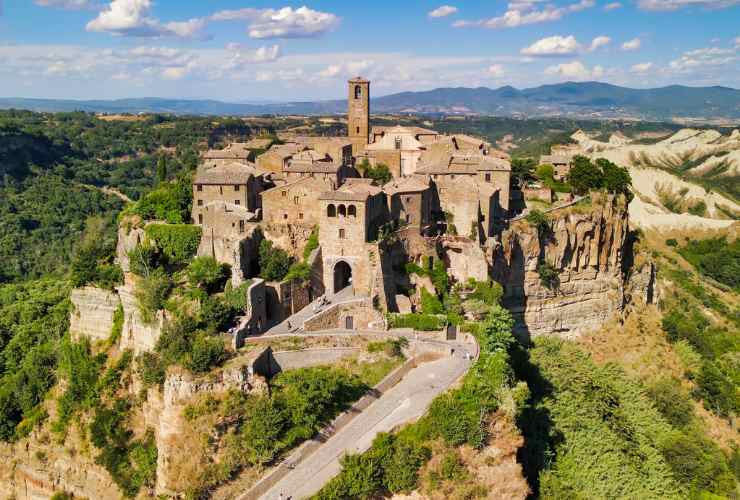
151, 292
93, 259
549, 276
430, 304
206, 273
215, 315
312, 243
672, 401
417, 321
495, 332
170, 202
143, 259
274, 262
671, 242
717, 390
488, 292
206, 353
540, 221
299, 271
177, 242
237, 299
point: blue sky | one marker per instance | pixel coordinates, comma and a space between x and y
241, 50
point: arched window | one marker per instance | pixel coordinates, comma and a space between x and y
398, 143
352, 211
342, 211
358, 91
331, 211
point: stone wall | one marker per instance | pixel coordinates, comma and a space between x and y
289, 360
465, 259
364, 317
586, 248
92, 313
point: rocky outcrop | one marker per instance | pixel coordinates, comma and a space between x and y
164, 411
466, 259
128, 239
585, 247
138, 335
641, 285
92, 313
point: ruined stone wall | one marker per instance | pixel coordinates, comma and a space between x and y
586, 247
291, 237
92, 313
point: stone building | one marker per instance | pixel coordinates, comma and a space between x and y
400, 148
231, 183
410, 201
310, 163
234, 152
423, 135
276, 158
446, 145
350, 219
295, 202
339, 149
474, 189
358, 113
560, 163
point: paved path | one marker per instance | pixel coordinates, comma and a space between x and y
294, 324
406, 401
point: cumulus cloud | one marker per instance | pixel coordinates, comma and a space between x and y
346, 70
132, 18
68, 4
523, 12
599, 41
633, 44
282, 23
704, 58
552, 46
641, 68
443, 11
663, 5
575, 71
612, 6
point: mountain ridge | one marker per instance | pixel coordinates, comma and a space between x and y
595, 99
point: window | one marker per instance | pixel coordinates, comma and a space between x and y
295, 200
408, 199
331, 211
199, 187
352, 212
358, 91
241, 226
200, 218
398, 143
284, 193
285, 216
341, 234
300, 216
237, 202
488, 177
342, 211
358, 130
221, 190
452, 176
200, 203
236, 187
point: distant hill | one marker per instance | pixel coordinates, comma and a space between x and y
582, 99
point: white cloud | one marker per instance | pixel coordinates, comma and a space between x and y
132, 18
496, 70
641, 68
704, 58
612, 6
633, 44
67, 4
552, 46
662, 5
599, 41
346, 70
443, 11
282, 23
523, 12
575, 70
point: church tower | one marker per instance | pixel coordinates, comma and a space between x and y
358, 113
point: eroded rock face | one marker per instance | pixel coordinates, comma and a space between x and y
92, 313
586, 248
138, 335
166, 413
128, 239
466, 260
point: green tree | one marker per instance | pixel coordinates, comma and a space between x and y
584, 175
206, 273
274, 262
161, 170
615, 179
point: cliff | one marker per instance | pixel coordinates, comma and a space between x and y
92, 313
585, 245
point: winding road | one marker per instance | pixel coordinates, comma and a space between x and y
404, 402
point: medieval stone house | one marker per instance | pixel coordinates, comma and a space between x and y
231, 183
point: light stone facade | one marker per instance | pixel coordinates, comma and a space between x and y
358, 116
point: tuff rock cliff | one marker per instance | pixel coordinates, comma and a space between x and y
585, 244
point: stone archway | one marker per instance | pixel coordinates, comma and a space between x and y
342, 276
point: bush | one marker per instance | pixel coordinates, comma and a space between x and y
143, 259
540, 221
717, 390
549, 276
92, 262
237, 299
206, 353
671, 242
177, 242
672, 401
170, 202
206, 273
274, 262
312, 243
215, 315
417, 321
298, 271
430, 304
488, 292
716, 258
151, 292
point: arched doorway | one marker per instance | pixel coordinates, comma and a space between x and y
342, 276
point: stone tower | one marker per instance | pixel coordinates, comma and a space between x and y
358, 113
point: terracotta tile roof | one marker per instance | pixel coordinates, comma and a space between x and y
234, 151
353, 190
228, 173
320, 167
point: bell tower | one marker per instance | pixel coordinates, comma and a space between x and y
358, 113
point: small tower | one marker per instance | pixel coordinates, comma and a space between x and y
358, 113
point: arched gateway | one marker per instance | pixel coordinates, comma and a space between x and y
342, 276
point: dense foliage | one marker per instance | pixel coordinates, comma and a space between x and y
274, 262
177, 242
585, 176
716, 258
